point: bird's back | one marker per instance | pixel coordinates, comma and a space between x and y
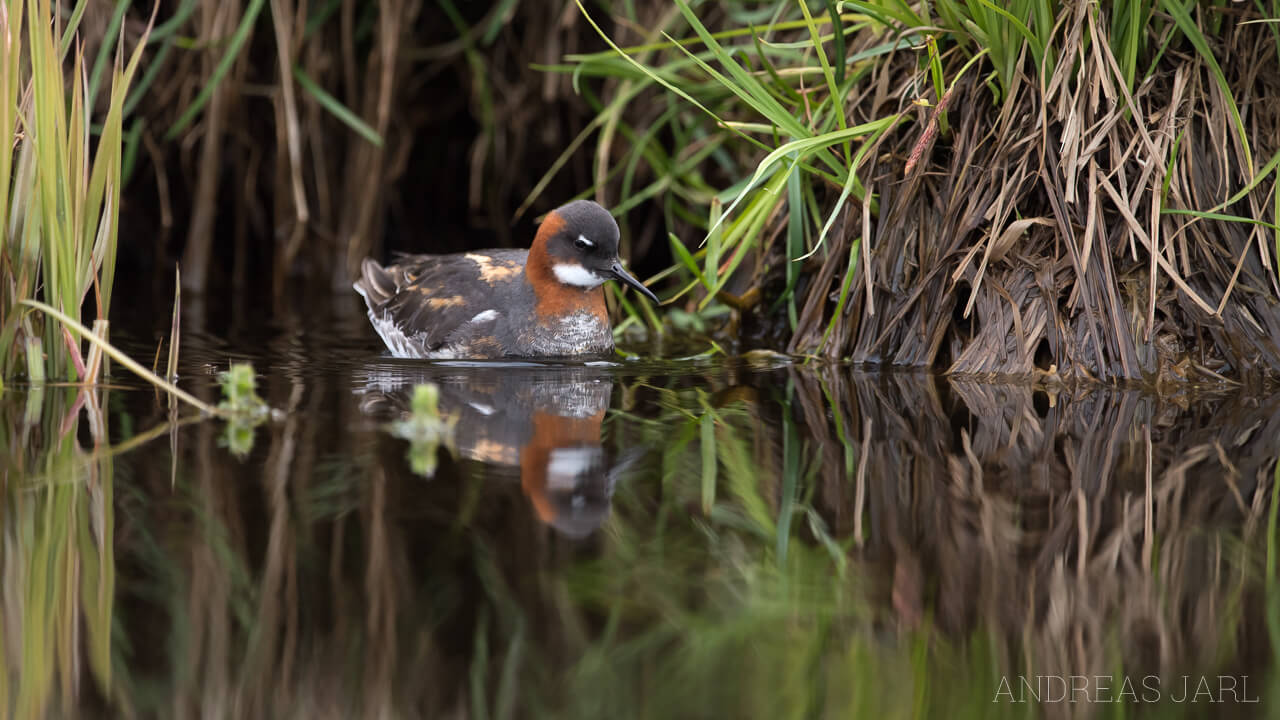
438, 306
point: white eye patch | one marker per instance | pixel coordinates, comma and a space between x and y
584, 242
576, 275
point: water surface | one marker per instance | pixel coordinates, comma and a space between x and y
694, 538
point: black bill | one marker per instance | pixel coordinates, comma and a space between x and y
625, 277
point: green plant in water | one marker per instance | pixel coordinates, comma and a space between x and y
425, 428
244, 409
240, 391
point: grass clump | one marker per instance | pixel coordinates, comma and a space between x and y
59, 186
979, 188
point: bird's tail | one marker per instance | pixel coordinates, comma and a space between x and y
376, 284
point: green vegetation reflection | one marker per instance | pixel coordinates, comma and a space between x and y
800, 543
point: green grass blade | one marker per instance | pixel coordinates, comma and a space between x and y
833, 87
1220, 216
804, 148
104, 50
708, 430
684, 256
642, 68
868, 145
713, 241
837, 28
1183, 19
1037, 48
238, 39
336, 108
744, 84
849, 272
73, 24
123, 359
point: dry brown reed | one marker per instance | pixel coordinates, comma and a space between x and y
265, 185
1029, 236
1033, 235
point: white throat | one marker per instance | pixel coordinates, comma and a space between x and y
576, 275
567, 466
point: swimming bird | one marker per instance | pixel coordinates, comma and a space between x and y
546, 301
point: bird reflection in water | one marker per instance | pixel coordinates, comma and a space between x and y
542, 421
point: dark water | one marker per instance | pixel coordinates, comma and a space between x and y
690, 538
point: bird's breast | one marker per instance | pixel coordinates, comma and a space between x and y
582, 332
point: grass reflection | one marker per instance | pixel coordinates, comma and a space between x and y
780, 543
58, 565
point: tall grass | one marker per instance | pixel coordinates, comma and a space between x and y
805, 133
858, 214
59, 186
797, 93
836, 176
329, 144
